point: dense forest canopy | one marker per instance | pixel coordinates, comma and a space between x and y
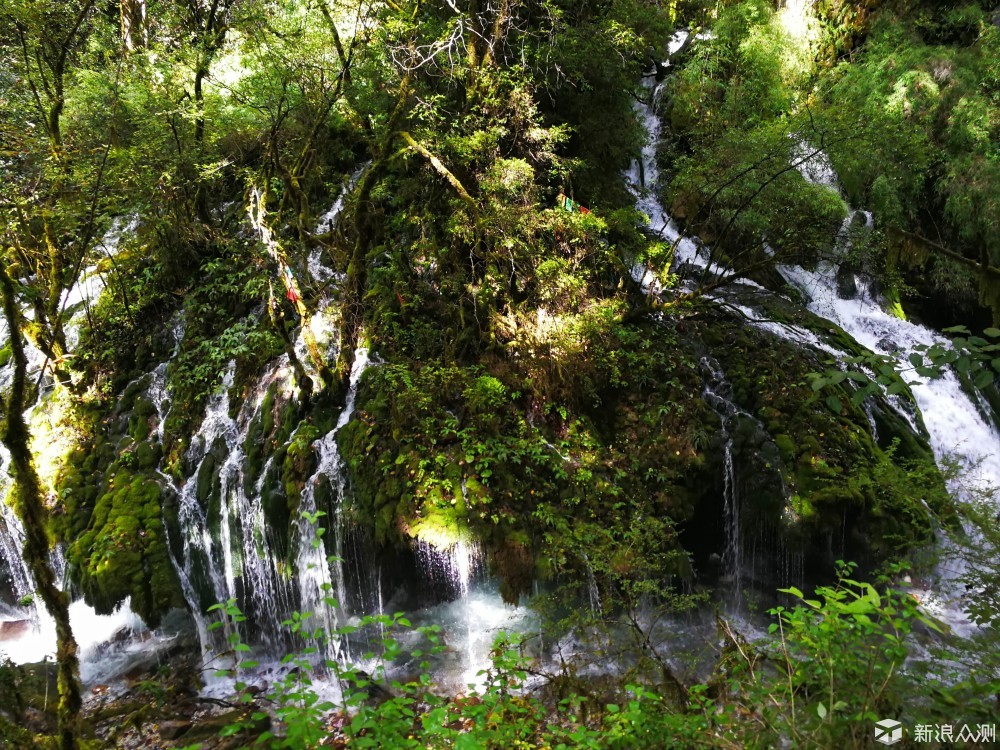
301, 294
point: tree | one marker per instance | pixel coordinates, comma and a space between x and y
51, 220
29, 502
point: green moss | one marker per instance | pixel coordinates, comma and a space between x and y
140, 418
206, 479
787, 447
299, 463
258, 443
148, 456
437, 452
832, 467
17, 737
123, 552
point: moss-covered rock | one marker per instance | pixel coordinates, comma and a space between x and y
837, 481
123, 552
299, 463
439, 452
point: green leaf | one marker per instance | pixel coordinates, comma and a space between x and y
821, 711
797, 593
916, 359
834, 403
992, 332
984, 378
872, 595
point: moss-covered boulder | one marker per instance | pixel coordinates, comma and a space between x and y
841, 491
439, 452
123, 552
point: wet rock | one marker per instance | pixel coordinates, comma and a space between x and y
11, 630
888, 346
171, 730
847, 283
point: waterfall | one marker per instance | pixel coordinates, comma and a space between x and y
454, 568
12, 540
955, 422
91, 282
240, 563
327, 223
156, 391
198, 562
592, 590
732, 556
717, 394
315, 584
38, 642
643, 180
961, 431
957, 428
475, 615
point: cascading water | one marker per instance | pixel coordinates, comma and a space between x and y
643, 180
474, 616
198, 562
957, 428
223, 548
327, 223
960, 429
718, 396
732, 556
315, 583
955, 422
238, 563
21, 584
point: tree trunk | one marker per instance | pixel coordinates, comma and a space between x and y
133, 13
29, 505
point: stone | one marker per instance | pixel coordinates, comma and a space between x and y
171, 730
847, 283
11, 630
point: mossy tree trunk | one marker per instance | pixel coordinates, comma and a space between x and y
30, 507
352, 305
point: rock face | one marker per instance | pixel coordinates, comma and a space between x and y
11, 630
814, 485
550, 465
847, 283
